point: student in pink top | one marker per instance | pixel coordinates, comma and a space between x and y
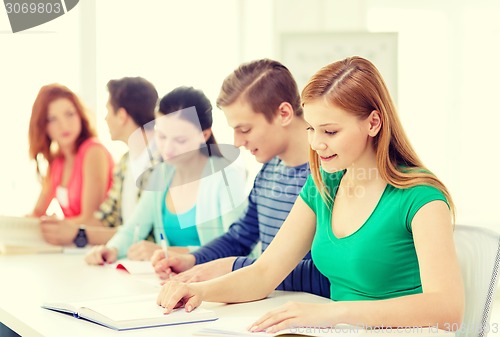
79, 167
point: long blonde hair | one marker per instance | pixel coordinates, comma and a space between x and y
355, 85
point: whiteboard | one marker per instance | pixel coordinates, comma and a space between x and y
305, 53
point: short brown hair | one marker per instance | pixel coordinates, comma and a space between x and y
137, 96
264, 84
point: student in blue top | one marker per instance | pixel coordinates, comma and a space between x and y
378, 221
192, 197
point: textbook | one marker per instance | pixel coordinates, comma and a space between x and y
238, 326
129, 312
22, 235
11, 247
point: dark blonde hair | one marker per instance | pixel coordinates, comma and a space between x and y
39, 141
264, 84
356, 86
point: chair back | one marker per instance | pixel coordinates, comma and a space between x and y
478, 251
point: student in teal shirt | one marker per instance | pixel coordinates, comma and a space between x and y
378, 260
192, 197
378, 223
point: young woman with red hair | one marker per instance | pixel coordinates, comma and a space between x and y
80, 168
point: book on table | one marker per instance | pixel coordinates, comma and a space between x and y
129, 312
238, 326
133, 266
22, 235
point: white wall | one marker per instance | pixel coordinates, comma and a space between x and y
28, 60
447, 89
447, 81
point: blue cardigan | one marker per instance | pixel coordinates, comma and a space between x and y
217, 206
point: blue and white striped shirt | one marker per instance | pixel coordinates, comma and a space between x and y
274, 192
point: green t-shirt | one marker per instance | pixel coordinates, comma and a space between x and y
379, 260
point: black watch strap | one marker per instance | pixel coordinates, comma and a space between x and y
81, 239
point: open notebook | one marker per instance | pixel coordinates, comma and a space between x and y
22, 235
238, 326
129, 312
134, 267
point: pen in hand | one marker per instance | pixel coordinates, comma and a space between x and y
163, 244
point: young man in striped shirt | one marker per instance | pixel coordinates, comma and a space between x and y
261, 103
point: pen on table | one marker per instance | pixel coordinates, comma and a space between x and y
136, 233
163, 244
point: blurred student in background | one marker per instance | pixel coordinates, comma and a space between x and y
196, 194
80, 169
131, 106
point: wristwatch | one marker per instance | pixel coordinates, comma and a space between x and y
81, 237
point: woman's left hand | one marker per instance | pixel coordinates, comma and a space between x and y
294, 315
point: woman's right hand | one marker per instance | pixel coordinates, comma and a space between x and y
100, 255
174, 264
175, 294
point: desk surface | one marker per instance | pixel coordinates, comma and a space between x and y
28, 280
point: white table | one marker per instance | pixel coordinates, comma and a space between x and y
28, 280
